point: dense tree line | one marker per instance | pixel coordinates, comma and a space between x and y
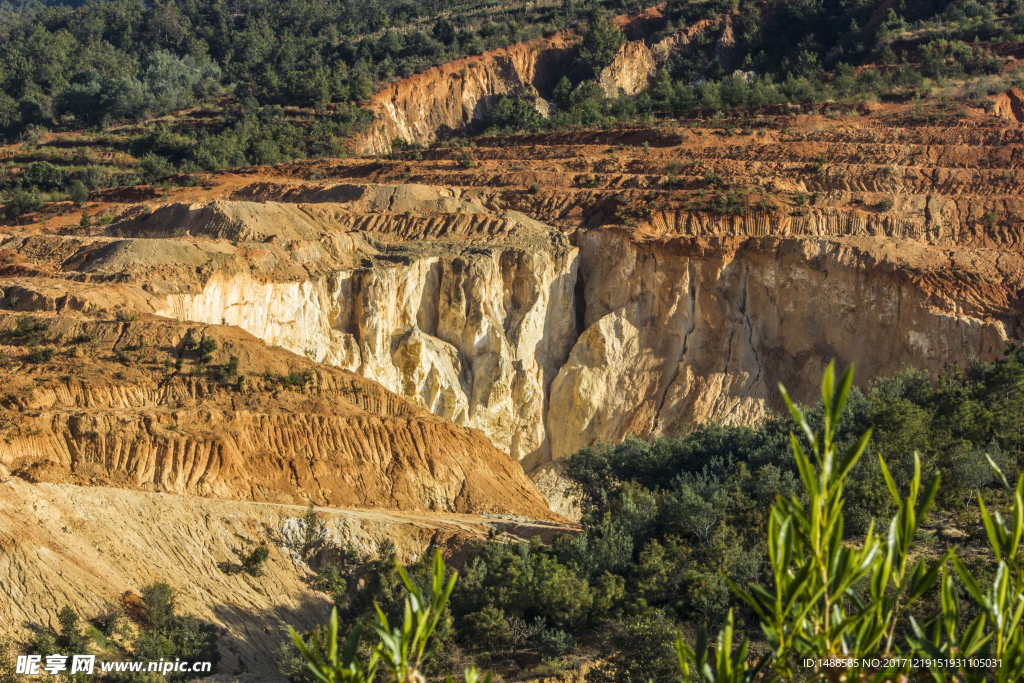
787, 53
91, 64
96, 62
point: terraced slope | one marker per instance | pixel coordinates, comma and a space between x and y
554, 290
136, 405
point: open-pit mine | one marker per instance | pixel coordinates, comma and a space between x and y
420, 337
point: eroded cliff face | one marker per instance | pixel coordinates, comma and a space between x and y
452, 96
475, 335
547, 343
681, 331
650, 298
457, 95
635, 65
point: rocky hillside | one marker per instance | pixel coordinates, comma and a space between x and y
458, 95
551, 291
416, 338
210, 411
94, 547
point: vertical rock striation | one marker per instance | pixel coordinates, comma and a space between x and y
476, 337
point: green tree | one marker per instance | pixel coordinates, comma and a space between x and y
253, 561
78, 193
154, 168
599, 45
815, 607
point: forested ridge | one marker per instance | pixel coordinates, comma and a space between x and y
97, 62
199, 86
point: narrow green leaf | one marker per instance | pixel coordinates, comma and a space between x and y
927, 580
1018, 515
804, 466
827, 383
745, 597
352, 645
798, 415
993, 539
915, 482
842, 393
701, 647
969, 583
889, 481
332, 636
999, 472
974, 636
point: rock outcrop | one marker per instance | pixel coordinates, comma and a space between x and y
448, 98
681, 331
457, 95
543, 341
570, 287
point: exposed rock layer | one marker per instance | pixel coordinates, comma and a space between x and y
332, 438
548, 342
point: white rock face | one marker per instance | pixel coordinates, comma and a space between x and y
669, 333
476, 338
675, 336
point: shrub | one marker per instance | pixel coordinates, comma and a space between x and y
158, 599
885, 203
78, 193
641, 651
534, 188
27, 326
298, 379
555, 641
45, 176
167, 635
330, 581
206, 348
108, 619
21, 202
228, 370
71, 638
489, 627
153, 168
41, 354
827, 597
313, 530
253, 561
